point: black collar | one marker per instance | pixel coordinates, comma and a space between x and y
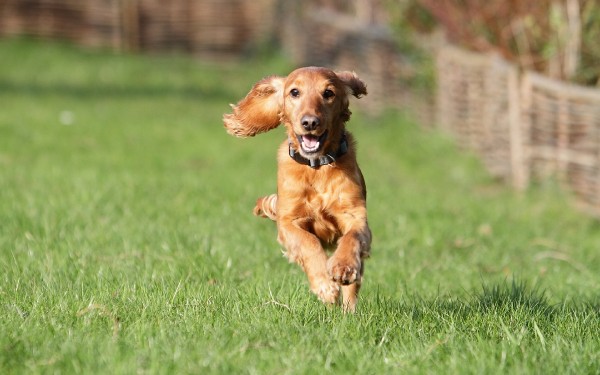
321, 160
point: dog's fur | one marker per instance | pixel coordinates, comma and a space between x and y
315, 208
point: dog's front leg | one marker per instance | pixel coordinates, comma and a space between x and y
305, 249
346, 264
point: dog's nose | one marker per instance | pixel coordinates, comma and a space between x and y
310, 122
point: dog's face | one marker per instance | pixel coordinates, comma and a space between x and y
312, 102
315, 107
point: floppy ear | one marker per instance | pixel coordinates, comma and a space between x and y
259, 111
355, 86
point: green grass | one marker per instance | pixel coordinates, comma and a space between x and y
127, 242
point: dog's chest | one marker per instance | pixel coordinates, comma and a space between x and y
326, 202
322, 207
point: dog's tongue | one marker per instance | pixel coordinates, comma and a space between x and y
310, 141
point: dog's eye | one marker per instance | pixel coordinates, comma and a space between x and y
328, 94
294, 93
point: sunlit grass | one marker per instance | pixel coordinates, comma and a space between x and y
127, 242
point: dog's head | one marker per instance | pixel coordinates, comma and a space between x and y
312, 102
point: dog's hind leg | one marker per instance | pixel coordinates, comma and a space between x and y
266, 207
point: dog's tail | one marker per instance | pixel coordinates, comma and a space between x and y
266, 207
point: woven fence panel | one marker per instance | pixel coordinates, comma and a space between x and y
478, 104
42, 18
461, 95
501, 145
563, 126
231, 26
203, 27
104, 24
163, 25
212, 26
96, 23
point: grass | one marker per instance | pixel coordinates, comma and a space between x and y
127, 242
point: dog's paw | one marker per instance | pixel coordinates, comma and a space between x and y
327, 291
343, 272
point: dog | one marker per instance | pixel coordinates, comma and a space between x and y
321, 193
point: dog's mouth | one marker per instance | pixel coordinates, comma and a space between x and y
311, 143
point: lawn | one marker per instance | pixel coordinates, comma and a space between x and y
127, 243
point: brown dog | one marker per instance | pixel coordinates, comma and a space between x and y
321, 193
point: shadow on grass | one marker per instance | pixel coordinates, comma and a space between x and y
513, 296
514, 300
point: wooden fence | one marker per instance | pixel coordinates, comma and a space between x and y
478, 103
561, 124
525, 127
198, 27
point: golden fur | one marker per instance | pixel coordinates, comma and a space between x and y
315, 208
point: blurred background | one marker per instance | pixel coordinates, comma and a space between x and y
515, 81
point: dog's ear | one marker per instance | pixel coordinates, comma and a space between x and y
259, 111
355, 86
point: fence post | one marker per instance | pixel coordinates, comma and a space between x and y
516, 130
523, 175
130, 30
562, 141
442, 117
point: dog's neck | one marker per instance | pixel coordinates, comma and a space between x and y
327, 158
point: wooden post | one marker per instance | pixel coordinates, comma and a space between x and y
516, 130
130, 21
523, 169
562, 141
